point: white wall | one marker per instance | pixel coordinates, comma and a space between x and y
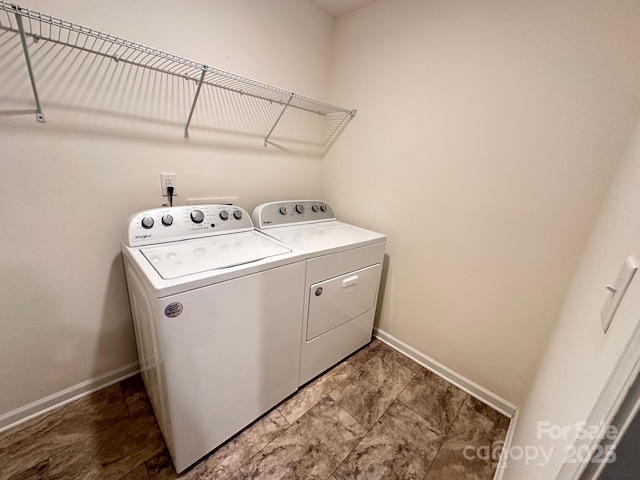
67, 187
500, 122
486, 135
580, 358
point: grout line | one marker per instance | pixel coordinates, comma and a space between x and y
330, 380
285, 418
324, 397
368, 430
124, 398
351, 415
444, 439
54, 401
86, 438
259, 450
491, 420
484, 395
425, 419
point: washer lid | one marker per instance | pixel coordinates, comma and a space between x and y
325, 237
178, 259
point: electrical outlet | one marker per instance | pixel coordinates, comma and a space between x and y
168, 180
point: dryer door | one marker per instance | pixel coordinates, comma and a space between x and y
337, 300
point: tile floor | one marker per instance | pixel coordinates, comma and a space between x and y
375, 415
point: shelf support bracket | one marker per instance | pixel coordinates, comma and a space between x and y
23, 39
195, 100
277, 120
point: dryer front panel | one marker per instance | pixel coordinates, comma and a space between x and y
337, 300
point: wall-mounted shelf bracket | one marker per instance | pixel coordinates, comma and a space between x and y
195, 100
278, 119
303, 120
23, 39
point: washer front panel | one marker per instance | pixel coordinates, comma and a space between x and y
216, 358
178, 259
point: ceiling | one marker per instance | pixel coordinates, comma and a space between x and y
337, 8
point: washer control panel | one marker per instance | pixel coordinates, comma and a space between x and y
277, 214
171, 224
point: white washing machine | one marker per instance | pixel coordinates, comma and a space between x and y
344, 264
217, 310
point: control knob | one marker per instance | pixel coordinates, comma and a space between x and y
147, 222
167, 220
224, 215
237, 214
323, 207
315, 208
283, 210
197, 216
300, 208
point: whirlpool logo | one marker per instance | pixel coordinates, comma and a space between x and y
142, 237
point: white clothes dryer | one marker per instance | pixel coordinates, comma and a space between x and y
344, 265
217, 310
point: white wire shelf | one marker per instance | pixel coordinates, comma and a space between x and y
36, 27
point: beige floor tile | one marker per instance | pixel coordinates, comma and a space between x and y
111, 453
227, 459
400, 445
37, 472
483, 409
434, 399
160, 467
378, 414
311, 448
309, 396
459, 458
365, 354
386, 351
139, 473
135, 394
36, 440
371, 390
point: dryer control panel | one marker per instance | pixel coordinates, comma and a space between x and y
171, 224
277, 214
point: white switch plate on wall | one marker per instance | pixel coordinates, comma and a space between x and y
617, 290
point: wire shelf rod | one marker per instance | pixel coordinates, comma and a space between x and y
193, 105
266, 139
23, 40
69, 26
68, 34
184, 71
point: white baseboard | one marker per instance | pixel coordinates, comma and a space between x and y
486, 396
46, 404
502, 463
463, 383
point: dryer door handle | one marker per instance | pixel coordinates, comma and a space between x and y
352, 280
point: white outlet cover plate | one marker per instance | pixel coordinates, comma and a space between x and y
623, 280
168, 179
